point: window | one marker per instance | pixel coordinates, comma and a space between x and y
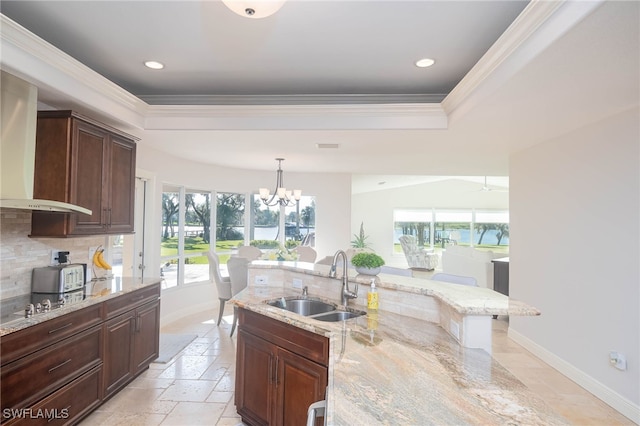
186, 236
434, 228
412, 222
230, 230
187, 233
452, 227
169, 241
300, 222
491, 231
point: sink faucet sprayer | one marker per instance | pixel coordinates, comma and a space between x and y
345, 294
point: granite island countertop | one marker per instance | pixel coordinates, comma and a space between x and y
95, 292
387, 368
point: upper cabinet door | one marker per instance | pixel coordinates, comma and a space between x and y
121, 188
89, 177
83, 162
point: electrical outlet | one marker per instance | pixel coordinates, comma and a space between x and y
262, 279
617, 360
296, 283
54, 257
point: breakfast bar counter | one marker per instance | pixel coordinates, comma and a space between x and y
390, 368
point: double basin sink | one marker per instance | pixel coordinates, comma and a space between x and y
314, 308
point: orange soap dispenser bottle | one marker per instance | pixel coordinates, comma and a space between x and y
372, 296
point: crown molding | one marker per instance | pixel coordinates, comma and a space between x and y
540, 24
306, 99
296, 117
31, 58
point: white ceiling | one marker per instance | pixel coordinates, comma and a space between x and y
238, 92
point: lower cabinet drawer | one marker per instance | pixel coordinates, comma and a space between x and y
66, 406
29, 379
23, 342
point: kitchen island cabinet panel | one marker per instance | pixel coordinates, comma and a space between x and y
277, 373
300, 383
254, 391
83, 162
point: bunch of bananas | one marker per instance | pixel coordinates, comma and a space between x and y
98, 259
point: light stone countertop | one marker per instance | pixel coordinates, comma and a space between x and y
96, 292
386, 368
465, 300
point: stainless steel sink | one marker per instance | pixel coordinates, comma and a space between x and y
303, 306
338, 316
314, 308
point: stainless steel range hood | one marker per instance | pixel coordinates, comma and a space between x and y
18, 146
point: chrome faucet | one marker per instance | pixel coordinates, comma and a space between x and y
345, 294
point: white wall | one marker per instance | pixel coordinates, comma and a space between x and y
375, 209
574, 254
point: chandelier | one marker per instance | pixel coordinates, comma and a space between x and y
254, 9
281, 195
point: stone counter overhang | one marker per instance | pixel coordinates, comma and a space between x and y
400, 368
96, 292
465, 312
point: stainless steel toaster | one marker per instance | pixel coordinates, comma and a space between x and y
58, 278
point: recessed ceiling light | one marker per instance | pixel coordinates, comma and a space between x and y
426, 62
327, 145
154, 65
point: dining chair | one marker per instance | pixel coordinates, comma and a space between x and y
306, 254
223, 284
455, 279
239, 274
249, 252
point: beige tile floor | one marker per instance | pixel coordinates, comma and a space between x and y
196, 387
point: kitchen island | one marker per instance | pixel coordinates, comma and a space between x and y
398, 365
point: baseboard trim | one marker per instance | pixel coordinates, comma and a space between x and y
621, 404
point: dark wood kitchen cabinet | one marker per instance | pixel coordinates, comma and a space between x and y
86, 163
62, 369
62, 356
131, 337
280, 370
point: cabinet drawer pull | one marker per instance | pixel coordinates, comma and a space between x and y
55, 330
58, 366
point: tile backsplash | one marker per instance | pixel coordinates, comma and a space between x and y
19, 254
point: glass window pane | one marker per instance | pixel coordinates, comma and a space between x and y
196, 236
300, 221
412, 222
230, 210
265, 224
169, 272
